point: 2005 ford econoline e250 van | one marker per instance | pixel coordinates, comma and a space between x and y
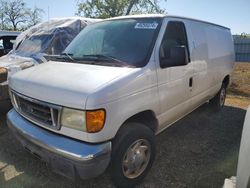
119, 83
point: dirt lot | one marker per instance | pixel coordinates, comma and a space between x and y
241, 80
200, 150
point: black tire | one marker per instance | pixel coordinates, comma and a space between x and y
5, 107
218, 101
129, 134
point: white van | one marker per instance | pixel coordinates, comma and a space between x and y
121, 82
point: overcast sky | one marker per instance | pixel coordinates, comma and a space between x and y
234, 14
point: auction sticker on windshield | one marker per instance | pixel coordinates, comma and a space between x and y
146, 25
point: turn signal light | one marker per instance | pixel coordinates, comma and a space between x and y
95, 120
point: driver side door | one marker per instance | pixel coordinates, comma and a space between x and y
174, 82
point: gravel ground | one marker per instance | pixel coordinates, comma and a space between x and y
200, 150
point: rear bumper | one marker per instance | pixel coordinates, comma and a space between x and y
66, 156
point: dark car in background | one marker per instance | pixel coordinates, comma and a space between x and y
7, 40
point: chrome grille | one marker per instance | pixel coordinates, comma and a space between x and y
40, 113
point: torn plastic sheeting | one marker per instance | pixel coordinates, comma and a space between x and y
50, 37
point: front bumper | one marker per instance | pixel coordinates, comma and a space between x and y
66, 156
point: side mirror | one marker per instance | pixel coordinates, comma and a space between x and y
178, 57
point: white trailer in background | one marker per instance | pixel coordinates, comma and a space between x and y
243, 170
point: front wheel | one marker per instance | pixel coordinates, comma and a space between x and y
133, 154
219, 99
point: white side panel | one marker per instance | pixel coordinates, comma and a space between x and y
212, 56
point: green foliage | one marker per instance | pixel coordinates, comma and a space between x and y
111, 8
245, 35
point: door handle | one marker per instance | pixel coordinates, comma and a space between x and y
191, 82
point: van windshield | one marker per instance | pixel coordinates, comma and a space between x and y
124, 41
34, 44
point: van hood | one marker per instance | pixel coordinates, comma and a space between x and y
66, 84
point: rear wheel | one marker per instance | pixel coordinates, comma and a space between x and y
133, 154
219, 99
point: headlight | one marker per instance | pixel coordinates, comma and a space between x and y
74, 119
3, 74
88, 121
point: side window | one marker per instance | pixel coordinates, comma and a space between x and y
175, 35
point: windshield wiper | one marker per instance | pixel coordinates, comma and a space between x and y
110, 60
67, 56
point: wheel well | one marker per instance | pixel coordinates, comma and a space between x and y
226, 80
147, 118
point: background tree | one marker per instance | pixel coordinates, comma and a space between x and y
15, 15
2, 18
111, 8
35, 16
14, 12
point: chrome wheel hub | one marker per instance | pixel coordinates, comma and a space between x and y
136, 158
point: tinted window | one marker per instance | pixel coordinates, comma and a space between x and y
175, 35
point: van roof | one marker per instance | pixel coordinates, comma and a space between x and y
164, 16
